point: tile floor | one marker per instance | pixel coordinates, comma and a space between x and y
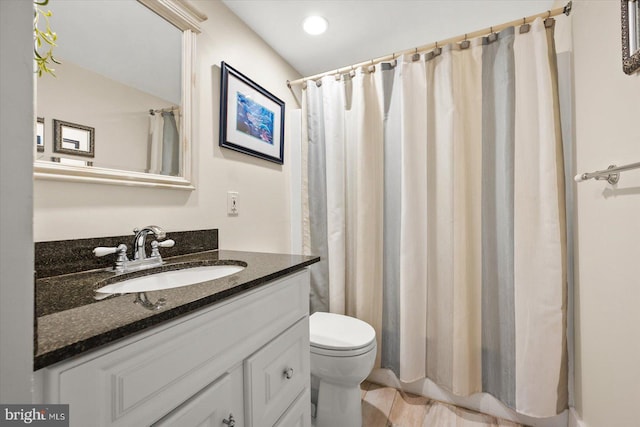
387, 407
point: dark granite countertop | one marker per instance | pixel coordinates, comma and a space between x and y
70, 321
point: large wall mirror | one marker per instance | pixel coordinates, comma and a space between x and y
630, 36
119, 110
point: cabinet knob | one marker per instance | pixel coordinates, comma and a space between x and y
288, 373
230, 422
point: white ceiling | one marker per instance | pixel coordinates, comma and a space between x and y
360, 30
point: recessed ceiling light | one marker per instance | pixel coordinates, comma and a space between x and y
315, 25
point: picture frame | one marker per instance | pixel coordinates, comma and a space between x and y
40, 134
630, 25
73, 138
251, 118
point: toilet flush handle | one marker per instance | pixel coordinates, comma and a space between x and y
288, 373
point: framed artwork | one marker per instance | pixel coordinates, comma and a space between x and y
251, 118
72, 138
630, 35
40, 134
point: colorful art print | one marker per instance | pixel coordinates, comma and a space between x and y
254, 119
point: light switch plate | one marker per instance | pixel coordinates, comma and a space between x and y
232, 203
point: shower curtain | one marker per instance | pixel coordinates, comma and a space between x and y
164, 144
435, 196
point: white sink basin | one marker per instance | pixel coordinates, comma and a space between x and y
170, 279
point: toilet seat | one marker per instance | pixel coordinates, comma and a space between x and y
336, 335
343, 353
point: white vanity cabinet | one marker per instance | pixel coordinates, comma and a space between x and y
243, 361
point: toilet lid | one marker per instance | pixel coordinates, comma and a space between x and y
338, 332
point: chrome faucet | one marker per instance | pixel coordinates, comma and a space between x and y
139, 260
140, 240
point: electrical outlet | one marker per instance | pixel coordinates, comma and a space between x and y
232, 203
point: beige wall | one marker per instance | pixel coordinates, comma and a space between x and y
72, 210
607, 295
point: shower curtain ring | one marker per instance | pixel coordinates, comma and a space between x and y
437, 51
524, 28
492, 36
548, 23
465, 43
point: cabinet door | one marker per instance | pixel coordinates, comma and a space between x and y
299, 414
276, 374
218, 402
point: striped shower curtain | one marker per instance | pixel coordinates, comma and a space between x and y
434, 194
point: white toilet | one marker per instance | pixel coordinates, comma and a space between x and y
343, 351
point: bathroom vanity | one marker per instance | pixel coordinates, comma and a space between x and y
232, 351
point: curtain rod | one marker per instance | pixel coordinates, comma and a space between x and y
163, 110
553, 12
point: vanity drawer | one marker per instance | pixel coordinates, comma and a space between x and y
276, 374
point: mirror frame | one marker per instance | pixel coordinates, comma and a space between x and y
187, 18
630, 60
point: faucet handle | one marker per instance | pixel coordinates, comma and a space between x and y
121, 250
101, 251
164, 244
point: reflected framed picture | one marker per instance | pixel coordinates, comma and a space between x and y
40, 134
630, 35
251, 118
72, 138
